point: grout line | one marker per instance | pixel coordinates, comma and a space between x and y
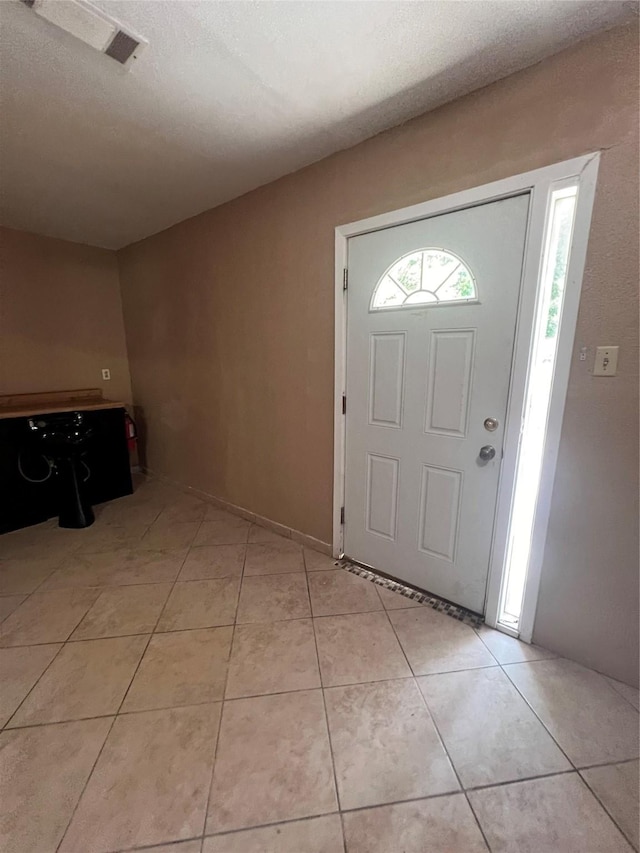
426, 705
607, 764
224, 693
472, 788
585, 782
554, 739
157, 844
439, 735
126, 693
84, 787
326, 716
537, 716
608, 679
227, 832
130, 713
475, 631
35, 684
477, 820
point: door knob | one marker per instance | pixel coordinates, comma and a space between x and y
487, 452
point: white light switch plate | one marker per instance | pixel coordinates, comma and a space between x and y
606, 363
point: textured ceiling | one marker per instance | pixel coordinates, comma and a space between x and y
231, 95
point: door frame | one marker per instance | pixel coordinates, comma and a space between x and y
540, 183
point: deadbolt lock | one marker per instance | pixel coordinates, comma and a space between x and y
490, 424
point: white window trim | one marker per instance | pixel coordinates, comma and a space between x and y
540, 183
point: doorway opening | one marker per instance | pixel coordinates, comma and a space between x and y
555, 250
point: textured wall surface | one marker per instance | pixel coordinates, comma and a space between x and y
229, 320
60, 317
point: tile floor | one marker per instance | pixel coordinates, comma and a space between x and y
179, 680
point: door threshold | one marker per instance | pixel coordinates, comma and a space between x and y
441, 605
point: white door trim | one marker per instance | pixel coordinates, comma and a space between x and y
540, 183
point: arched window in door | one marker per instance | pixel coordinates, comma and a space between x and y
426, 277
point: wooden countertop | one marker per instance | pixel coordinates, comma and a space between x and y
83, 400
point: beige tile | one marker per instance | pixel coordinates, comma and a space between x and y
557, 814
273, 558
489, 731
225, 530
395, 600
20, 668
385, 746
435, 642
87, 679
338, 592
442, 825
126, 511
182, 510
177, 534
46, 617
314, 835
591, 722
19, 575
262, 534
121, 610
270, 598
213, 561
150, 783
273, 762
9, 603
200, 604
18, 541
356, 648
44, 770
506, 649
273, 658
38, 542
181, 668
631, 694
117, 567
107, 536
314, 561
616, 786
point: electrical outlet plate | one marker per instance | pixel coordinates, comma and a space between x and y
106, 373
606, 363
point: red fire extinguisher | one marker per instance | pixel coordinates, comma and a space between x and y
131, 431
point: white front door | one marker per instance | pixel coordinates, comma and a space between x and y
431, 315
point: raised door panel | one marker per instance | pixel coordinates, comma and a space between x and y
386, 378
451, 357
440, 494
382, 495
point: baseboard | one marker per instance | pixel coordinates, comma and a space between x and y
262, 521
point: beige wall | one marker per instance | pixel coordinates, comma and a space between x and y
229, 321
60, 317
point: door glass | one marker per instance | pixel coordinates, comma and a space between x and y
426, 277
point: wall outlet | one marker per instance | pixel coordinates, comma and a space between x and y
606, 363
106, 373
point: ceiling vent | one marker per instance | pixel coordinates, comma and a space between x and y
91, 26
